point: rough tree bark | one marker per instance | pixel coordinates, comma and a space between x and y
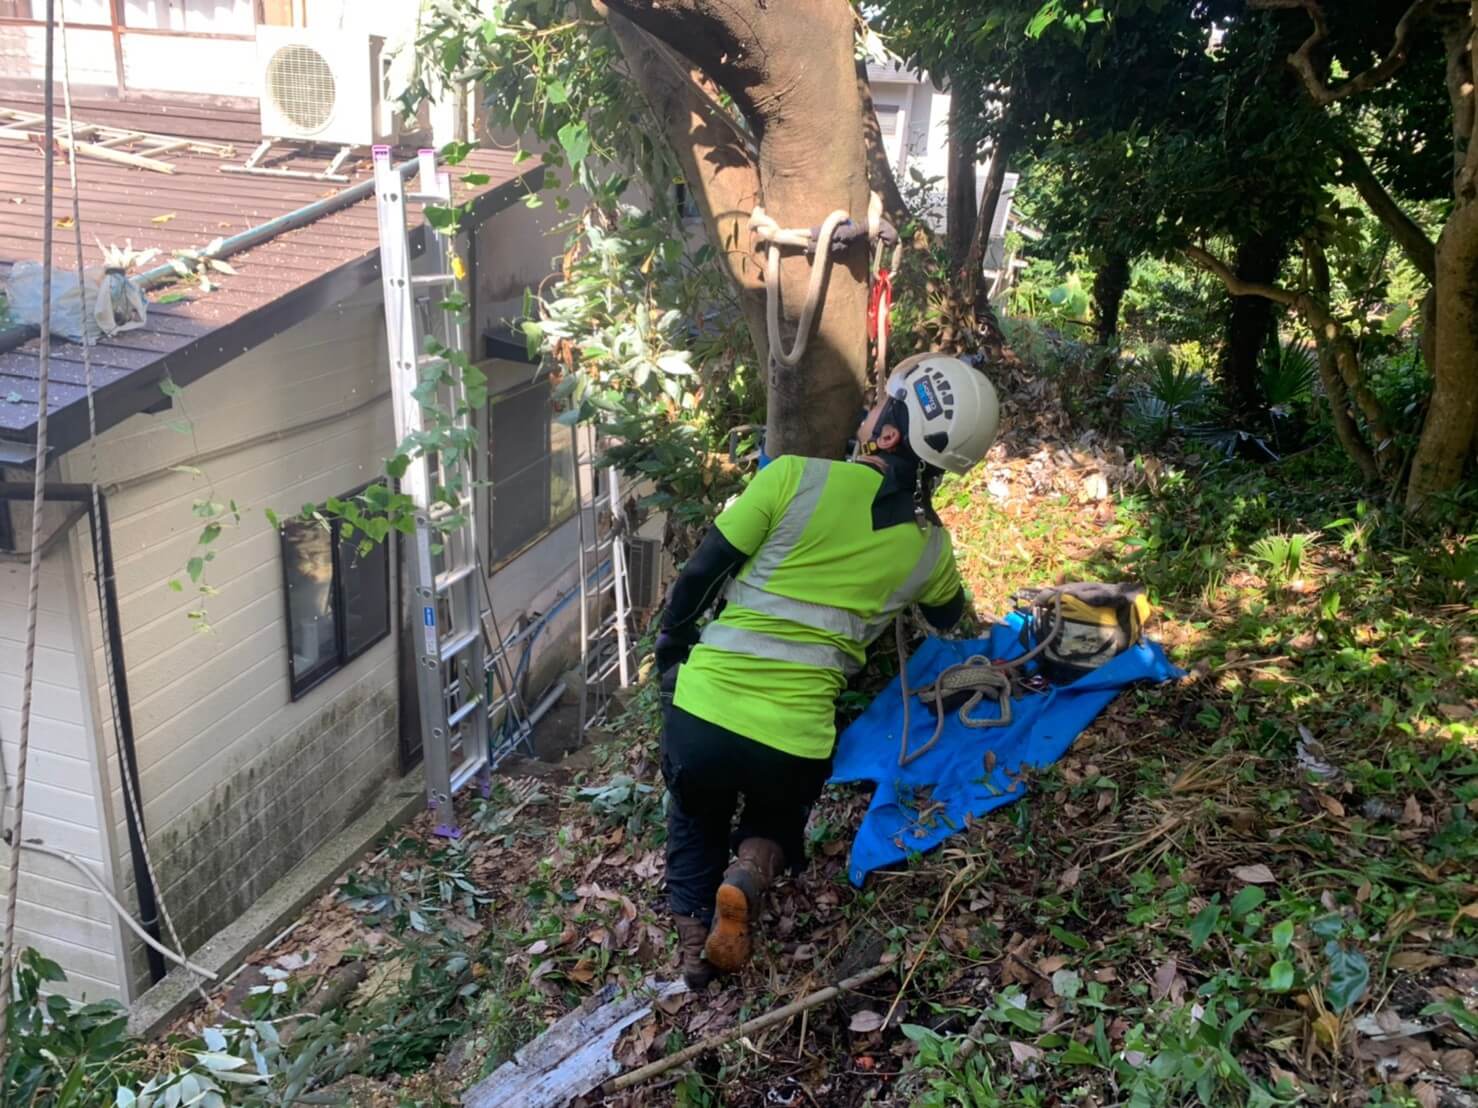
960, 217
1451, 426
1250, 319
717, 161
791, 73
1110, 283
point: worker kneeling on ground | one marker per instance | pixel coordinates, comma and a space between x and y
814, 559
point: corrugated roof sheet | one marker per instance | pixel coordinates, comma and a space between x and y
278, 283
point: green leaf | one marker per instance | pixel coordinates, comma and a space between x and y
272, 520
1028, 1021
195, 567
1349, 976
209, 534
1283, 935
1204, 925
1077, 1054
1067, 938
167, 298
442, 217
175, 586
169, 388
1280, 977
1246, 900
574, 139
180, 426
556, 92
395, 467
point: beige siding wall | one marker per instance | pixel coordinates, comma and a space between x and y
240, 782
59, 913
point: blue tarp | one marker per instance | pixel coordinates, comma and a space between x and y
953, 774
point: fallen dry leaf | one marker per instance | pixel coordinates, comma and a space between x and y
1024, 1052
1258, 874
1455, 712
1415, 960
1411, 812
1330, 805
1168, 982
1456, 1063
1426, 1094
165, 218
1069, 879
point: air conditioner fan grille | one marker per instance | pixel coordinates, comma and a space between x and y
301, 86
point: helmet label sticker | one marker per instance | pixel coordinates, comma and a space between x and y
928, 399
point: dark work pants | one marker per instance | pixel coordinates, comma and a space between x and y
708, 769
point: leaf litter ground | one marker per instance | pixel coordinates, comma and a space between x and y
1255, 886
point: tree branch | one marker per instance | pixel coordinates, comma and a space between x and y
880, 176
1234, 284
1413, 241
1302, 59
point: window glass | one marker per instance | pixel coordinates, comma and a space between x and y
364, 592
518, 468
78, 11
214, 17
338, 598
308, 568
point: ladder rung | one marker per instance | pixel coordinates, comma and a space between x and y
458, 643
467, 771
463, 712
442, 510
445, 581
433, 279
425, 198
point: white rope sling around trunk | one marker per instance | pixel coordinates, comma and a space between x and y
818, 241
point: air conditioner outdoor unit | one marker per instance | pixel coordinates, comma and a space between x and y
323, 87
644, 572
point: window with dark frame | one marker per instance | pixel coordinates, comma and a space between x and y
338, 599
531, 470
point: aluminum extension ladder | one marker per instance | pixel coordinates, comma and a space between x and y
605, 599
451, 660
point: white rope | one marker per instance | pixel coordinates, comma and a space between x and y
123, 914
771, 233
131, 791
38, 503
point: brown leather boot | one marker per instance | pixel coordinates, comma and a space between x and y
692, 933
737, 906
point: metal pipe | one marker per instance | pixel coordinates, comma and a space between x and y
165, 273
123, 725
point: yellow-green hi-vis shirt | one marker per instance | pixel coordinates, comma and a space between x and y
818, 587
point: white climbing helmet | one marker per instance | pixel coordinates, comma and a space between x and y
953, 412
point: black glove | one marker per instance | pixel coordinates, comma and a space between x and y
673, 647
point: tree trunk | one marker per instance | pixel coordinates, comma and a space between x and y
1345, 427
790, 71
1452, 416
880, 171
717, 162
1250, 321
990, 200
960, 219
1110, 284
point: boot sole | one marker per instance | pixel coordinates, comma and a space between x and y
729, 942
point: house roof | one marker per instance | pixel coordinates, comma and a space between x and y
278, 283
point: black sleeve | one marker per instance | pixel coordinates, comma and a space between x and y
946, 615
696, 588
